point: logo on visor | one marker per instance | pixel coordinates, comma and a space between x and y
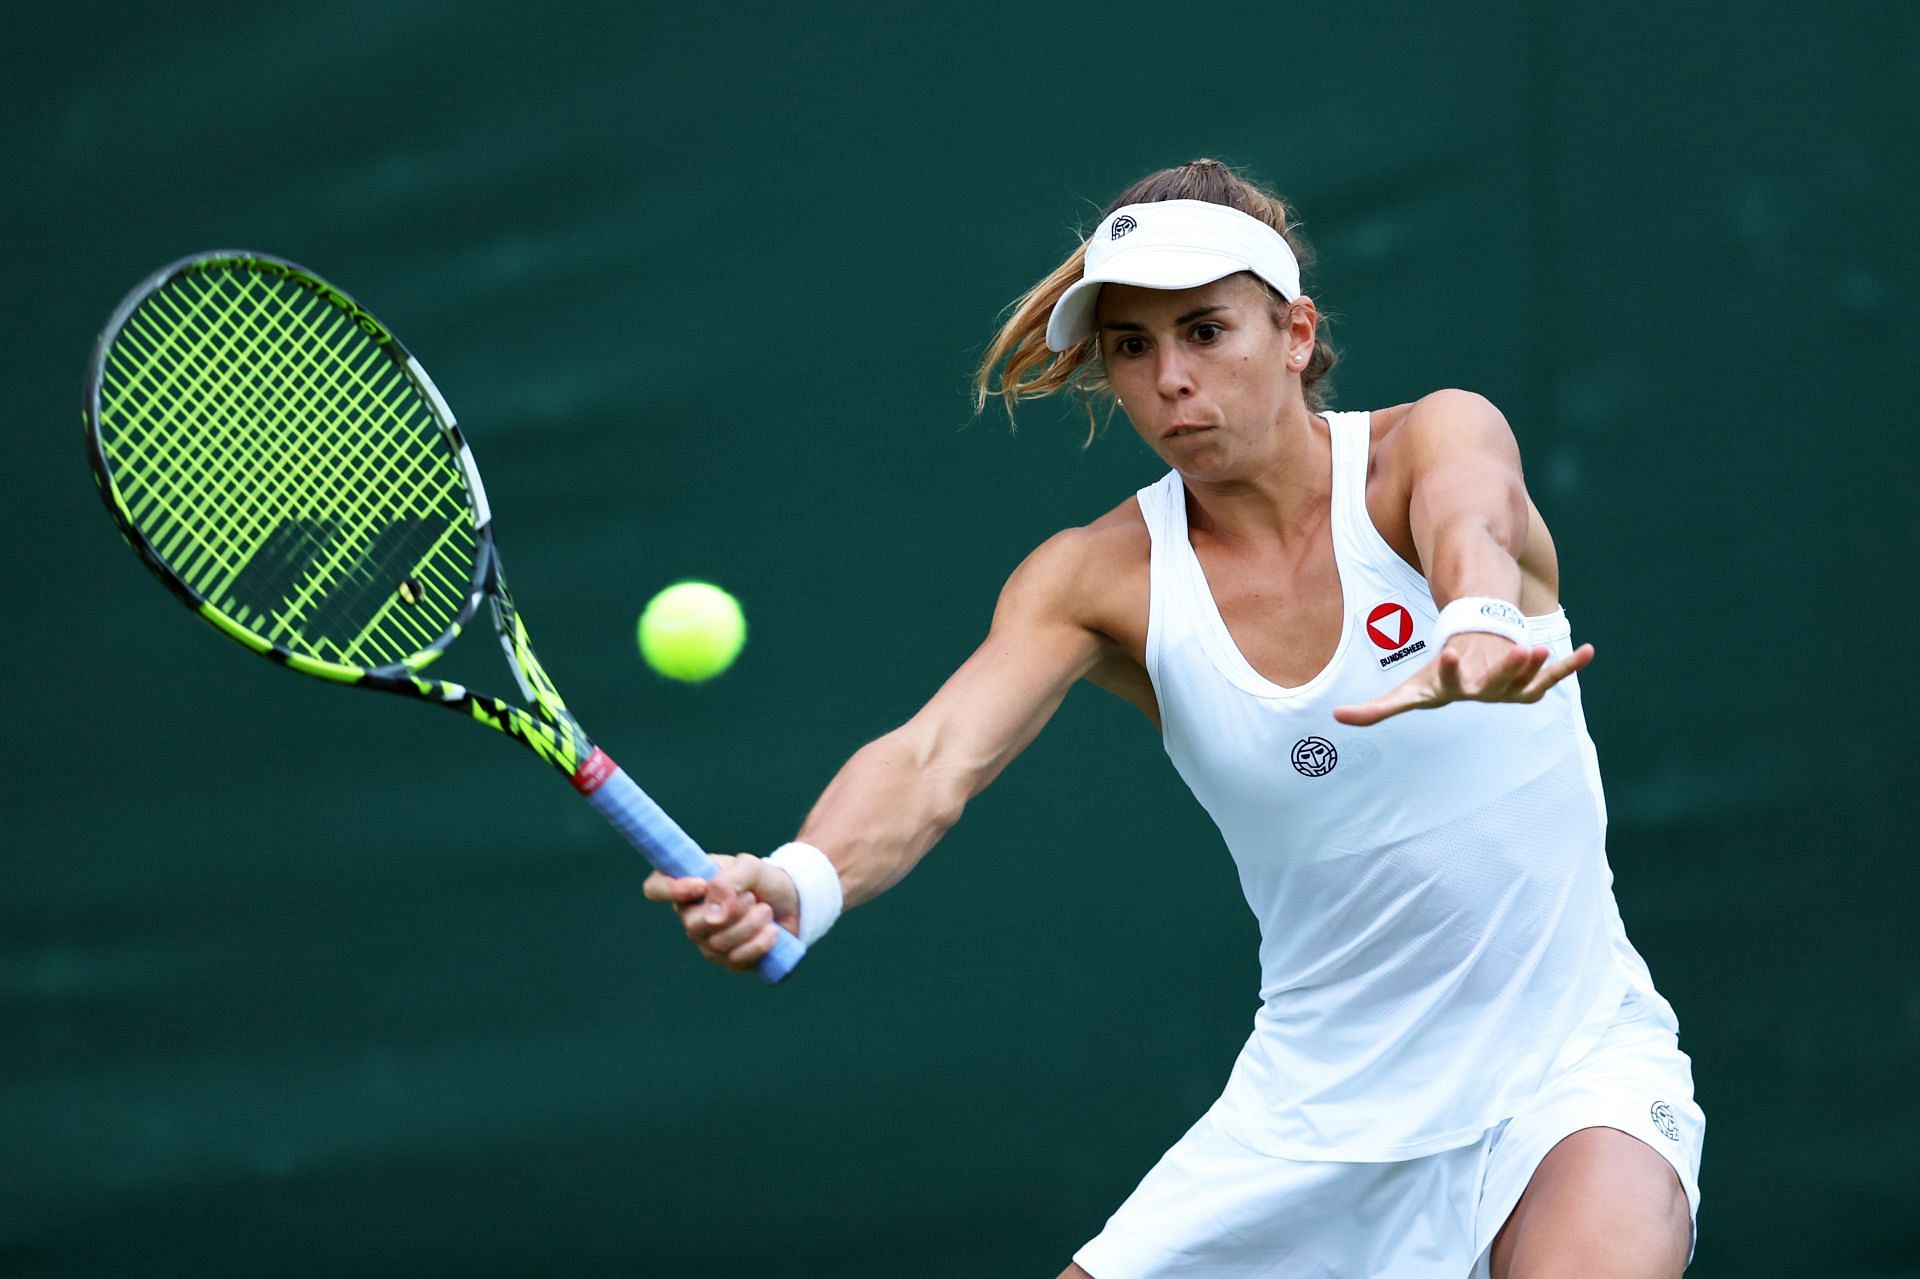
1121, 225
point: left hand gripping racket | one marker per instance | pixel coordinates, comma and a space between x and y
287, 468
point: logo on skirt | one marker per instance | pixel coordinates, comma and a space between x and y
1663, 1120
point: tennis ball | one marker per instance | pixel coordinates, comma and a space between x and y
692, 631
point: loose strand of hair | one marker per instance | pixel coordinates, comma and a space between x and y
1026, 369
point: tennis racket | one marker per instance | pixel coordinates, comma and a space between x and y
292, 475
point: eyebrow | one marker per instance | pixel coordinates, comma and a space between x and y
1188, 318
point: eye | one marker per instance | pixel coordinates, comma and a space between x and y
1130, 345
1206, 331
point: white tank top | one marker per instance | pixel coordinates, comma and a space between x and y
1437, 923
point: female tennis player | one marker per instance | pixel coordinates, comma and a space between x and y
1346, 627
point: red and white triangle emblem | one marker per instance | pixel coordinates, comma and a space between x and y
1389, 626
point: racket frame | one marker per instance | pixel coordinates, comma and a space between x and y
550, 731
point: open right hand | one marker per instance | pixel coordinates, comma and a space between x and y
732, 916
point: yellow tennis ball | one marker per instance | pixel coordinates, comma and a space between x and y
692, 631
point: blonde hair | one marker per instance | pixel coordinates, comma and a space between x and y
1018, 366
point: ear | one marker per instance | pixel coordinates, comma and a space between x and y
1302, 323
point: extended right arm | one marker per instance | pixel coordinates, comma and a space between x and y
897, 796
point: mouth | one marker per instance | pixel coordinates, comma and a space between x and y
1183, 428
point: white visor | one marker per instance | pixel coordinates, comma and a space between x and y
1170, 244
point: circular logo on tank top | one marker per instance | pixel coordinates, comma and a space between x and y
1663, 1120
1314, 756
1389, 625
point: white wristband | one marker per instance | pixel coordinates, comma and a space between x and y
1480, 613
818, 884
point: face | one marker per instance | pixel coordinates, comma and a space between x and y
1207, 374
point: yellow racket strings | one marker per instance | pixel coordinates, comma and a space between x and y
281, 464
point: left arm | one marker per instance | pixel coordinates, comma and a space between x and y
1470, 518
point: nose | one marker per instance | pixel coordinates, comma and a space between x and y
1172, 377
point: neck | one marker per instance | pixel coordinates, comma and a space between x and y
1281, 494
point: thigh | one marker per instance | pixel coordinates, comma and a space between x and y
1620, 1126
1601, 1204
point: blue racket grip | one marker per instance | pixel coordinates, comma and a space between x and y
660, 840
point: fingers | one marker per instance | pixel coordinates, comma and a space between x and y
1526, 674
1486, 668
1422, 690
1435, 684
720, 907
740, 872
741, 943
727, 921
1519, 673
665, 888
1554, 672
1511, 674
1367, 714
733, 929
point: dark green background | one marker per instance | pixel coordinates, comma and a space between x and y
299, 982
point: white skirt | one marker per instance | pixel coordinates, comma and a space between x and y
1213, 1207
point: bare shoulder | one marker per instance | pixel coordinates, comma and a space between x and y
1078, 571
1120, 532
1093, 575
1440, 425
1438, 443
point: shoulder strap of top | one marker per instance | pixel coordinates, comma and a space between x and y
1357, 540
1351, 438
1163, 505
